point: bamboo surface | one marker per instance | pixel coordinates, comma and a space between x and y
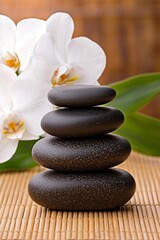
21, 218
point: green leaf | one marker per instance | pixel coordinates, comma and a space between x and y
135, 92
22, 159
143, 132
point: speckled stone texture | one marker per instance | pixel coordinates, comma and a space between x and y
81, 151
82, 191
81, 95
87, 154
82, 122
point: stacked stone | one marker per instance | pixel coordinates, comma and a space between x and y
81, 152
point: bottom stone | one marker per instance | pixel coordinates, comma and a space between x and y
82, 191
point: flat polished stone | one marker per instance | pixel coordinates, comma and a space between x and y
82, 191
87, 154
82, 122
81, 95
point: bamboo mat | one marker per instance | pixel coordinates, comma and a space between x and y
21, 218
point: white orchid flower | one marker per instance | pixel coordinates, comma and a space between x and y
59, 59
17, 42
23, 103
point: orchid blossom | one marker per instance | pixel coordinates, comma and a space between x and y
23, 103
59, 60
17, 42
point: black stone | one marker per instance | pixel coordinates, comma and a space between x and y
81, 95
82, 191
82, 122
89, 154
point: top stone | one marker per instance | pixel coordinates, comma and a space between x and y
81, 95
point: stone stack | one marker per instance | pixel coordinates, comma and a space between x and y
81, 152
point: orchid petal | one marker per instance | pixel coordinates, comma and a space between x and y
61, 70
30, 101
61, 26
2, 117
7, 34
28, 33
28, 136
42, 71
34, 116
89, 57
44, 60
7, 149
27, 93
46, 48
7, 78
27, 73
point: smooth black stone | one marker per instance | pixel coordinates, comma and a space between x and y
89, 154
82, 191
82, 122
81, 95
